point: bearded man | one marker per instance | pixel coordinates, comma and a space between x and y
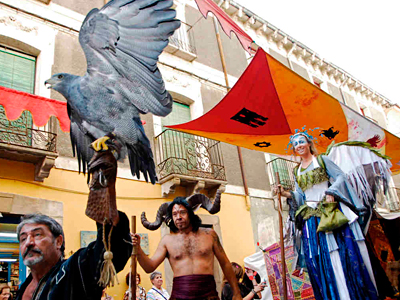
190, 250
52, 277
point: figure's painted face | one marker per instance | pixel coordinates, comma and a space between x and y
180, 217
300, 145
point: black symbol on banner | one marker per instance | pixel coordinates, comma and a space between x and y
262, 144
250, 118
374, 141
330, 134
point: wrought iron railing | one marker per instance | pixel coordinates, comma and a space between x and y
21, 133
183, 38
186, 154
285, 169
31, 138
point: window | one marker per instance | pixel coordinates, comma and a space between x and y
189, 154
176, 145
180, 114
17, 71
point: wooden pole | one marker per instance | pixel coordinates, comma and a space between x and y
239, 150
133, 264
281, 237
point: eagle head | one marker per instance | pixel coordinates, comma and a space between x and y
60, 82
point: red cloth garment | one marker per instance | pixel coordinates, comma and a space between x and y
227, 24
41, 108
194, 287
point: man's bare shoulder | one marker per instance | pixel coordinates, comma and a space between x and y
166, 237
207, 231
169, 238
215, 238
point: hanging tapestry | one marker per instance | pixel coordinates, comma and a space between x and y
298, 284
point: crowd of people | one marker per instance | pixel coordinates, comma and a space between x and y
156, 292
334, 252
189, 248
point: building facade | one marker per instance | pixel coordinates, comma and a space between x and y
38, 172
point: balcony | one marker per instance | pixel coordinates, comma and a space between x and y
20, 143
190, 161
182, 43
284, 167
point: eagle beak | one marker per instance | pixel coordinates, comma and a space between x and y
49, 83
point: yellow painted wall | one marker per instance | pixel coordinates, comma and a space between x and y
133, 197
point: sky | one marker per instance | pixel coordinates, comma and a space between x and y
360, 37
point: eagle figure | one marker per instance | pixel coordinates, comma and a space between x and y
122, 42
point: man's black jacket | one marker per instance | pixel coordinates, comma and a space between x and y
76, 278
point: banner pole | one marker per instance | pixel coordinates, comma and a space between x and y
132, 278
282, 242
239, 150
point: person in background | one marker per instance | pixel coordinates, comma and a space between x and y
251, 279
140, 291
5, 291
245, 292
157, 292
52, 277
105, 296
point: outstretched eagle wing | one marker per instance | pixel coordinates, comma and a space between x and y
122, 43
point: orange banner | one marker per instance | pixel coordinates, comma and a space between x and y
270, 102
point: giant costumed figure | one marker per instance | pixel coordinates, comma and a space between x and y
369, 173
326, 212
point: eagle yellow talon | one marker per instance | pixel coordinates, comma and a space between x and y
100, 144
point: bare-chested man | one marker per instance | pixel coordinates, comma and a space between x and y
190, 250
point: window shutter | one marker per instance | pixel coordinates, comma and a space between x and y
180, 114
178, 145
17, 71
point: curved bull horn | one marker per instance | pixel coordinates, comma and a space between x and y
161, 215
205, 202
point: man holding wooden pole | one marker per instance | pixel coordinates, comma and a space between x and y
190, 250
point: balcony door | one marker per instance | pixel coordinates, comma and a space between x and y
17, 71
176, 146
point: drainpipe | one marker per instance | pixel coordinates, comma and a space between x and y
221, 53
